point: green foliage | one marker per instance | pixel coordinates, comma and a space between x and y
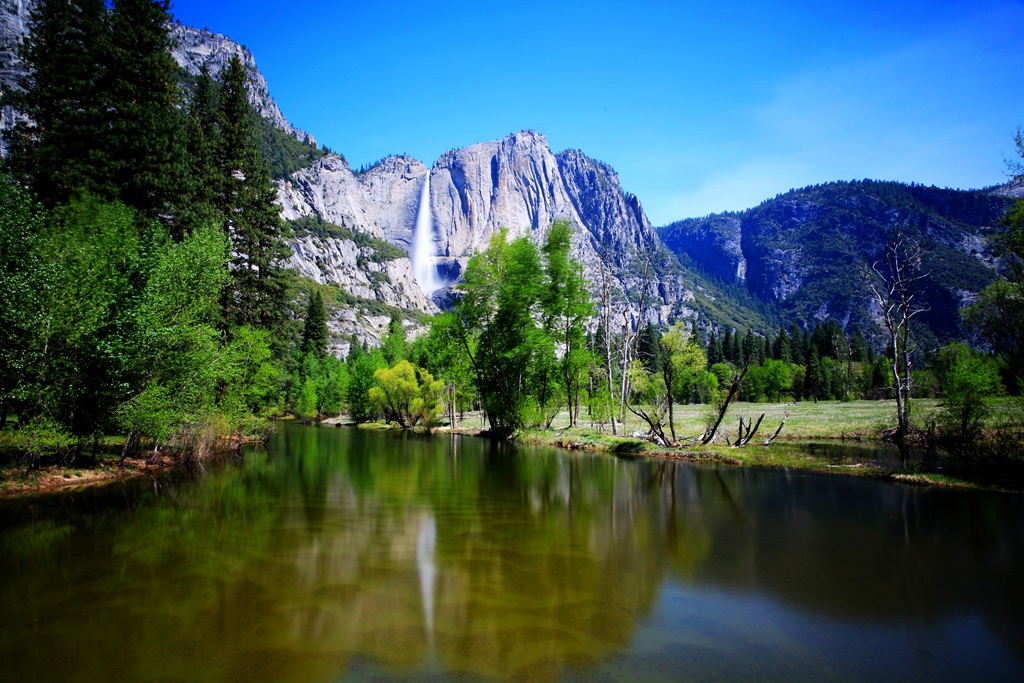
120, 311
394, 345
513, 310
41, 436
20, 221
282, 153
407, 395
247, 380
966, 379
566, 306
362, 367
768, 381
176, 353
314, 329
306, 406
444, 355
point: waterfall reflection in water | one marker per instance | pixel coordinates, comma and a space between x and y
350, 553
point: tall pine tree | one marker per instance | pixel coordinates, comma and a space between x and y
246, 205
314, 330
204, 182
55, 151
144, 141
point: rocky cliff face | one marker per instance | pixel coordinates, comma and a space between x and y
515, 183
519, 184
195, 48
13, 25
382, 201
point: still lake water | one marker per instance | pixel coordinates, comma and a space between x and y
341, 554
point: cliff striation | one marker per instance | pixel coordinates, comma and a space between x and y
515, 183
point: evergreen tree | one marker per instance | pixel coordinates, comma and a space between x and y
54, 151
647, 349
813, 383
727, 346
797, 348
314, 329
781, 347
204, 182
144, 137
251, 218
394, 347
751, 349
715, 352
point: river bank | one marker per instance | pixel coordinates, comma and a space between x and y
105, 467
826, 437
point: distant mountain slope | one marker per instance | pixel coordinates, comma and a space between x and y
810, 251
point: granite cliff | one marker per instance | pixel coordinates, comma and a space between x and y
515, 183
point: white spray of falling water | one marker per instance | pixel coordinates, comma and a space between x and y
423, 243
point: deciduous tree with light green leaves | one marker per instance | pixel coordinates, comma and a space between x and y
407, 396
516, 313
682, 361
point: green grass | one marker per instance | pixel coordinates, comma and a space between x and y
807, 420
816, 437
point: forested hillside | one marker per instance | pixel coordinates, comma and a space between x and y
810, 252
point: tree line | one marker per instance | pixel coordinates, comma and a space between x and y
145, 291
143, 267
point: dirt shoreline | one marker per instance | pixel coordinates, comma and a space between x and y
57, 478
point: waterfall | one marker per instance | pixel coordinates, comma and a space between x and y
423, 243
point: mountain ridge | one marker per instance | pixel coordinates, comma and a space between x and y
811, 251
801, 256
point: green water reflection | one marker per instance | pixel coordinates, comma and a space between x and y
344, 554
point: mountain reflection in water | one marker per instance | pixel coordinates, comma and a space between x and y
342, 554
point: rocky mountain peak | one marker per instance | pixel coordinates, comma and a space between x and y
195, 48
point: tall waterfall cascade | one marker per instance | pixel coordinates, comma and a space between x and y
423, 266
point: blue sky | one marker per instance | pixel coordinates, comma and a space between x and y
700, 106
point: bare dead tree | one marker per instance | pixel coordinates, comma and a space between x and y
746, 431
631, 337
895, 292
655, 419
724, 403
606, 321
785, 416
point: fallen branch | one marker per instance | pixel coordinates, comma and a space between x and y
785, 416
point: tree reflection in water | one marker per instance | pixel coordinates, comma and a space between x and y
340, 552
